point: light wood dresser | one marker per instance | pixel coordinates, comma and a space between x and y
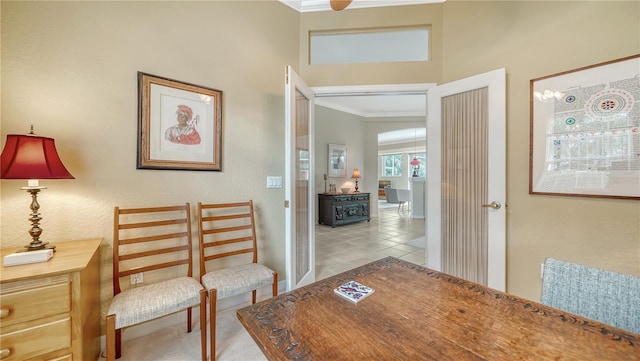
51, 310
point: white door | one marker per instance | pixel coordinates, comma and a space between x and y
299, 182
491, 209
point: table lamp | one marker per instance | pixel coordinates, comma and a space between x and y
415, 163
356, 175
32, 157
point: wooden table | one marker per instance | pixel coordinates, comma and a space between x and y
420, 314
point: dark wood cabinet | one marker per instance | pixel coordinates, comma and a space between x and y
338, 209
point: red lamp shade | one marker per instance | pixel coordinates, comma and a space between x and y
415, 162
31, 157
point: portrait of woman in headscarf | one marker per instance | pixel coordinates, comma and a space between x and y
185, 131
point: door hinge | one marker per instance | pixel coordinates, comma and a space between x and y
286, 204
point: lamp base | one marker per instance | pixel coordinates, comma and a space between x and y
37, 247
35, 231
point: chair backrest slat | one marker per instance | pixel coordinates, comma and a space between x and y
225, 205
228, 254
150, 210
152, 224
124, 257
154, 267
226, 230
230, 216
227, 241
151, 239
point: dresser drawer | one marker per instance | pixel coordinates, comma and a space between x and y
37, 338
63, 358
21, 304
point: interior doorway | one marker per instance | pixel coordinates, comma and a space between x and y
381, 99
370, 165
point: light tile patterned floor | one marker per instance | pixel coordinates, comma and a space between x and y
345, 247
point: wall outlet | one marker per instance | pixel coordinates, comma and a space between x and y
137, 278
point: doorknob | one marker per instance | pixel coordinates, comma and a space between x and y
494, 205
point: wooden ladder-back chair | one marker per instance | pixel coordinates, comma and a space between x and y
156, 244
227, 237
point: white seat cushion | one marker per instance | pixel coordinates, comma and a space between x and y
145, 303
238, 279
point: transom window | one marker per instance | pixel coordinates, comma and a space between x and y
369, 45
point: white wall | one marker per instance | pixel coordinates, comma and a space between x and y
335, 127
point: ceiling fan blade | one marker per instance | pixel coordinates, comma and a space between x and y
338, 5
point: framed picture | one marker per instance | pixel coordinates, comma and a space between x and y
337, 161
179, 124
585, 131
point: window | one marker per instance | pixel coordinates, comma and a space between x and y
369, 45
392, 165
422, 168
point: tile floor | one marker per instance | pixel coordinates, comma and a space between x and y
393, 233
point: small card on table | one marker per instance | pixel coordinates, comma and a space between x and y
353, 291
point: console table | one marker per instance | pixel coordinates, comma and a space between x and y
51, 310
338, 209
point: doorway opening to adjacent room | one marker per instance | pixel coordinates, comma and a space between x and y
394, 111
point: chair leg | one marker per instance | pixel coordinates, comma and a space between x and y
118, 343
203, 324
274, 290
189, 319
114, 350
213, 298
253, 297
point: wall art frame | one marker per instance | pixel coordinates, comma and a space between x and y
179, 125
585, 131
337, 156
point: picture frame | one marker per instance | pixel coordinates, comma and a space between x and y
585, 131
179, 125
337, 156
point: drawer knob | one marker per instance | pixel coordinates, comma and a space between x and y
4, 353
4, 312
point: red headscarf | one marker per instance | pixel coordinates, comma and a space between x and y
187, 110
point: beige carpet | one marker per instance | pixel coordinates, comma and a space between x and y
175, 344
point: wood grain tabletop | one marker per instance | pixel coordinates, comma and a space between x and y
417, 313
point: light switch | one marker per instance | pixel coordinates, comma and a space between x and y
274, 182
